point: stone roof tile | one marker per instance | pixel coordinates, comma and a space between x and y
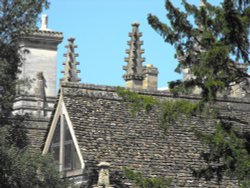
107, 131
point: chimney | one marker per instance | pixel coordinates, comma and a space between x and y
44, 24
150, 77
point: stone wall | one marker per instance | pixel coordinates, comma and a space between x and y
36, 131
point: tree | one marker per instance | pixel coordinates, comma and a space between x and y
212, 42
212, 47
140, 180
18, 166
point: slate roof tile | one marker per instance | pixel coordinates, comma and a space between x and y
107, 131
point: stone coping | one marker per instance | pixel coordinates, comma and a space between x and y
44, 33
157, 93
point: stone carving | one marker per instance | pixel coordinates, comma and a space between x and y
40, 94
70, 71
138, 76
134, 68
40, 86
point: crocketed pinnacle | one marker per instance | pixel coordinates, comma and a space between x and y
134, 68
70, 71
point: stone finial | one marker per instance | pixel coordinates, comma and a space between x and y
103, 178
134, 68
70, 69
44, 24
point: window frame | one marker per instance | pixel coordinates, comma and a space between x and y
61, 115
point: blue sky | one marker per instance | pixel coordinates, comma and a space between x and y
101, 29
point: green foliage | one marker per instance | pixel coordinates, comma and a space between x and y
173, 109
231, 146
16, 18
137, 102
170, 110
143, 182
17, 132
213, 43
19, 168
212, 47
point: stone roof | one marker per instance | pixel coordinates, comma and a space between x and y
36, 130
106, 130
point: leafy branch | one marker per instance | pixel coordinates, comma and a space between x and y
143, 182
136, 101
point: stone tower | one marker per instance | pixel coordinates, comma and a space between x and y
38, 71
138, 76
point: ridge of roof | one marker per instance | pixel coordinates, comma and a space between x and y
80, 89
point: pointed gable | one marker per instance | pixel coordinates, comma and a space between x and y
61, 142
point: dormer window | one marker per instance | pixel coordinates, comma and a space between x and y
55, 143
71, 159
62, 147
